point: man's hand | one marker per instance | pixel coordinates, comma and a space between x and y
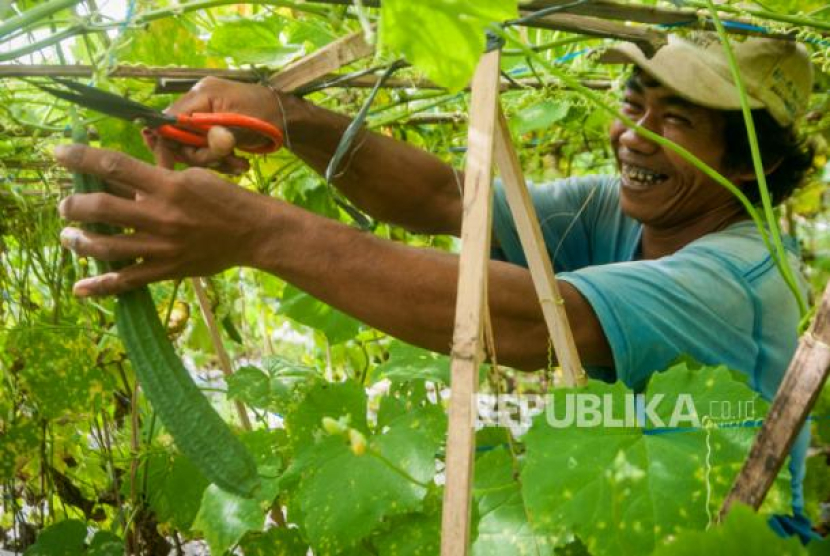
188, 223
211, 95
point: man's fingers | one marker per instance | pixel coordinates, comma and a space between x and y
103, 208
128, 278
112, 166
122, 247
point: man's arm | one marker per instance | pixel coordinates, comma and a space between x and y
390, 180
192, 223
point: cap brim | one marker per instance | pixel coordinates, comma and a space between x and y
686, 72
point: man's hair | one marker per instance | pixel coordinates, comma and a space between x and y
777, 144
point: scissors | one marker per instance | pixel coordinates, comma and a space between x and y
189, 129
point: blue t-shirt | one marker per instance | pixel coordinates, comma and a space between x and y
719, 299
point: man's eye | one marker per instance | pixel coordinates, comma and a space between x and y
631, 106
677, 118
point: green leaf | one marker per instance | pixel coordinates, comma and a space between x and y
64, 538
251, 386
59, 370
407, 362
503, 528
417, 534
17, 445
162, 42
174, 488
277, 541
263, 444
105, 543
620, 489
412, 440
540, 116
344, 498
250, 41
442, 38
305, 309
304, 421
743, 532
225, 517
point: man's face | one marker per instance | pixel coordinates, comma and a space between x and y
659, 188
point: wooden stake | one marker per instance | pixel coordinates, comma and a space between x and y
539, 263
216, 337
795, 398
320, 63
472, 295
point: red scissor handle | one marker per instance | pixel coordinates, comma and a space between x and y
192, 129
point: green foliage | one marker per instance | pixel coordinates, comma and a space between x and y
224, 518
618, 487
249, 41
307, 310
444, 39
743, 532
368, 486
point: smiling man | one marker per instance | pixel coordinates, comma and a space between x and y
659, 262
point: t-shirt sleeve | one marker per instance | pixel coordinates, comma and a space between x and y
653, 311
568, 210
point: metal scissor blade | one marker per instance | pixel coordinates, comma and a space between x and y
107, 103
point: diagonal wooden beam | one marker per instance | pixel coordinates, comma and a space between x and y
795, 398
539, 263
469, 312
322, 62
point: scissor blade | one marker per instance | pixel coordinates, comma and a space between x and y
107, 103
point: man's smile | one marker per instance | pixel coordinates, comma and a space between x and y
638, 177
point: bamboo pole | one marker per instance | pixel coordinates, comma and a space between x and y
221, 353
795, 398
539, 263
472, 297
321, 62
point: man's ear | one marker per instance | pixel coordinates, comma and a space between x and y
748, 174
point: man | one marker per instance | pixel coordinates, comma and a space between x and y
659, 262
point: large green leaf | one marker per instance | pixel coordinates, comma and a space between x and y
250, 41
622, 489
64, 538
251, 386
105, 543
174, 488
503, 527
742, 532
442, 38
408, 362
305, 309
345, 498
59, 370
303, 422
277, 541
540, 116
224, 518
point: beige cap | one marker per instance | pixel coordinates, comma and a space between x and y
777, 74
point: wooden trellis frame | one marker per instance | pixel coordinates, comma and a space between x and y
489, 140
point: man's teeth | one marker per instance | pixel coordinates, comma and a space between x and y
641, 175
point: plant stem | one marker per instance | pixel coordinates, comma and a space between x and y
34, 15
780, 253
143, 19
764, 14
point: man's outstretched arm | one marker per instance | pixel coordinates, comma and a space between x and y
388, 179
194, 223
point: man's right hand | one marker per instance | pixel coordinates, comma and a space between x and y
211, 95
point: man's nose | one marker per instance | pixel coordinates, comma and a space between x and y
633, 141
